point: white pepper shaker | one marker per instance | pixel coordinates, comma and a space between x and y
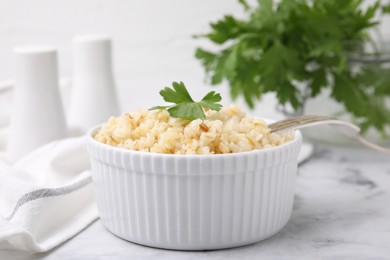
93, 98
37, 115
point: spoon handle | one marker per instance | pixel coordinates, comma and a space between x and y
348, 128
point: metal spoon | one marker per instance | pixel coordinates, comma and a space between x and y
309, 120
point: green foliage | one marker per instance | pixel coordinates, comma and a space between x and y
185, 107
293, 43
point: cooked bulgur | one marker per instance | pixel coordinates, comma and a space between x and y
229, 130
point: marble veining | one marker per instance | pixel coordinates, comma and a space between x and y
355, 177
341, 211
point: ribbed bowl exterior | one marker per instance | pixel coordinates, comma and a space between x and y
194, 202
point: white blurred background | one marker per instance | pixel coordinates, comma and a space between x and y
152, 41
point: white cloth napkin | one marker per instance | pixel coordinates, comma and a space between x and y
46, 197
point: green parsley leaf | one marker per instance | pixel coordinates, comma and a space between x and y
178, 94
185, 107
158, 107
244, 4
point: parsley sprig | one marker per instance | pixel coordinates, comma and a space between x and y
184, 106
298, 48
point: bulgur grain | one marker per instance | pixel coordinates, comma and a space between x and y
229, 130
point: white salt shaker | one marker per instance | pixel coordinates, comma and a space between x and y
37, 115
93, 98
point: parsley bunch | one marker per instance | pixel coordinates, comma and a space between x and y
184, 106
296, 48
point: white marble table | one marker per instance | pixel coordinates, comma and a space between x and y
341, 211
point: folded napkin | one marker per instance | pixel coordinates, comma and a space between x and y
46, 197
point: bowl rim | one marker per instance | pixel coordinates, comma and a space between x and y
297, 141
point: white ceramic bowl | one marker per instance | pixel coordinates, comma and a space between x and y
195, 202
